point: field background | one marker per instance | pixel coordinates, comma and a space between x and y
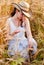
36, 22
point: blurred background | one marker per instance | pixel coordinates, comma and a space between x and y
36, 20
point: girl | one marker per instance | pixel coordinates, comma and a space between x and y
17, 25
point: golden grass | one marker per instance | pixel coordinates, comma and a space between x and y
36, 21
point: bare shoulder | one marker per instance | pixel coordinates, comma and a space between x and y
27, 22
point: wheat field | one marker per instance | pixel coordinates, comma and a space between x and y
37, 29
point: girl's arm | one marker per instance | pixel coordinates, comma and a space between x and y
28, 30
26, 23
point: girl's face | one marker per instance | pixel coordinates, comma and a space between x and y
19, 14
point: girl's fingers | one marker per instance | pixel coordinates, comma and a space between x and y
17, 31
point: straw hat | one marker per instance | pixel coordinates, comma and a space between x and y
24, 7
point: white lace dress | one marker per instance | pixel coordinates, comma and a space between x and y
19, 43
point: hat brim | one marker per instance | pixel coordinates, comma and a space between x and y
16, 6
25, 13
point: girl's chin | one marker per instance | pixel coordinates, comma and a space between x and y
20, 18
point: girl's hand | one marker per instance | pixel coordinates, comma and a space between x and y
24, 19
30, 46
15, 32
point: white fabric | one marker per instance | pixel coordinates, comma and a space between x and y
20, 42
21, 34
